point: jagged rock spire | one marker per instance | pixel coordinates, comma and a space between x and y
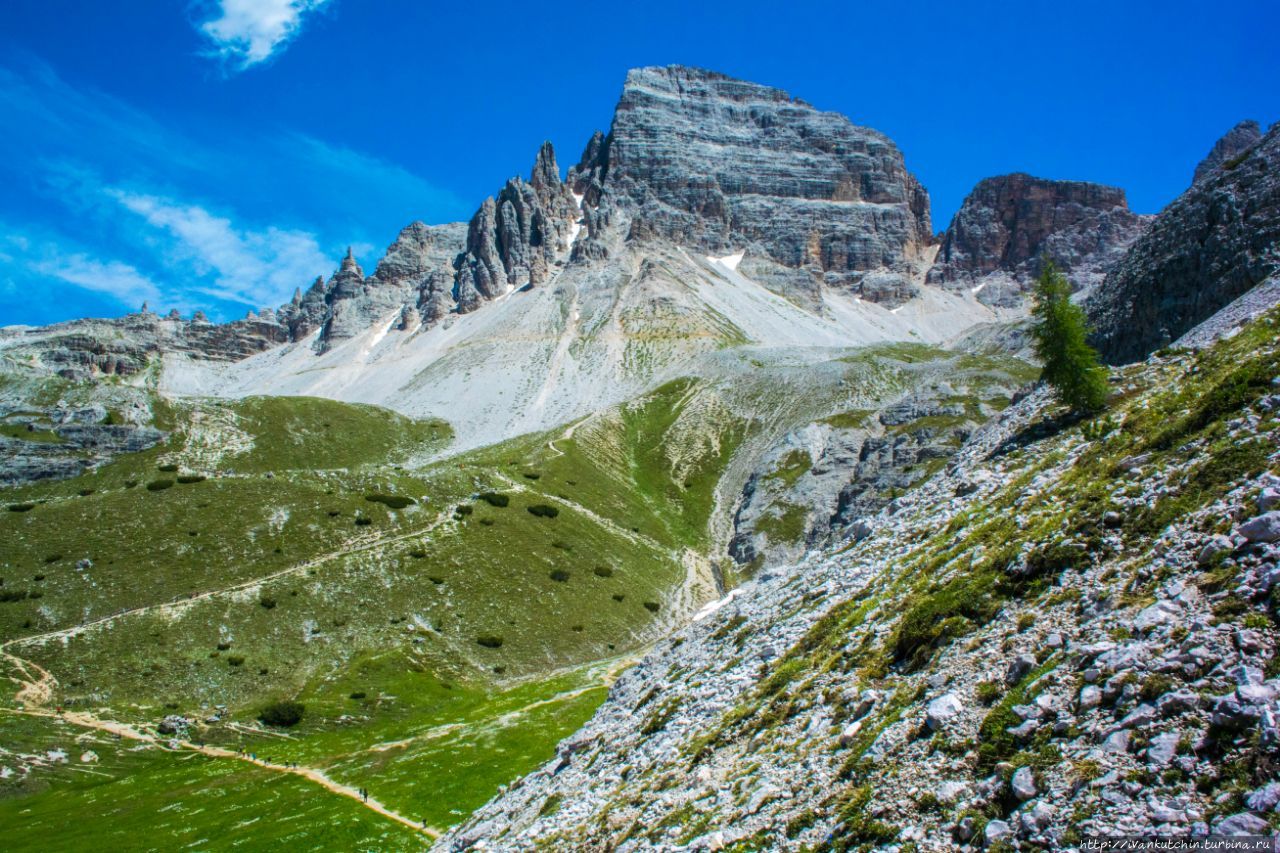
546, 173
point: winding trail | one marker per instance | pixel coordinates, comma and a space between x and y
356, 547
36, 685
124, 730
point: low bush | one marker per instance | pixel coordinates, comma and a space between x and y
988, 692
168, 468
543, 511
417, 553
651, 606
359, 694
362, 521
603, 572
617, 596
267, 603
84, 493
159, 485
390, 501
222, 647
235, 660
495, 499
22, 507
191, 478
532, 475
489, 641
462, 510
435, 579
560, 575
53, 558
283, 714
13, 595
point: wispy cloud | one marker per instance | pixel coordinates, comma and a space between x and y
217, 218
58, 259
244, 33
254, 268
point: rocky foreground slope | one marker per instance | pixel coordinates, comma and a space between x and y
1070, 630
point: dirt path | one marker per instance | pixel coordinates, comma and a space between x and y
606, 680
182, 603
123, 730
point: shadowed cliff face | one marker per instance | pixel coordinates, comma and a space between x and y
1211, 245
1008, 223
1234, 142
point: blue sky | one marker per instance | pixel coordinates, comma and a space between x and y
220, 153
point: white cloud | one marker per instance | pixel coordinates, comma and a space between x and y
54, 257
254, 268
113, 278
247, 32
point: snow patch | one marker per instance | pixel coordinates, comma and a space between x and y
729, 261
713, 606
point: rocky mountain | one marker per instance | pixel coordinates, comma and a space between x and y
994, 245
702, 488
1214, 243
1233, 143
726, 166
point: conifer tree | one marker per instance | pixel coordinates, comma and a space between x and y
1060, 331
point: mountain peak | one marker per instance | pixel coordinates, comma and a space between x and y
1233, 143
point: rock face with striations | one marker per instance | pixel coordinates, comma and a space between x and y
1235, 142
1215, 242
513, 240
1007, 223
722, 165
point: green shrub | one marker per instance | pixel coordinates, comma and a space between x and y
435, 579
532, 475
390, 501
495, 499
283, 714
22, 507
617, 596
651, 606
168, 468
462, 510
235, 660
550, 805
988, 692
53, 558
603, 572
1154, 686
1053, 558
159, 485
562, 545
489, 641
543, 511
267, 603
129, 484
417, 553
191, 478
560, 575
363, 521
222, 647
13, 595
84, 493
359, 694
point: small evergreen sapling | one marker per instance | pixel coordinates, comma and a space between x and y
1059, 333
